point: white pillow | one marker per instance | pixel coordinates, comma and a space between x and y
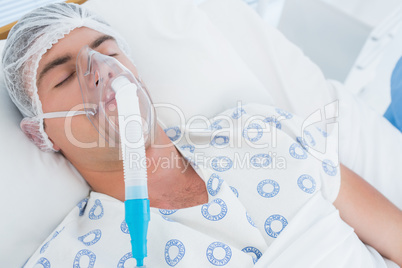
36, 189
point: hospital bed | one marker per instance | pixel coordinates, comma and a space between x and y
202, 58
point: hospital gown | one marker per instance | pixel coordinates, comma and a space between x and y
262, 183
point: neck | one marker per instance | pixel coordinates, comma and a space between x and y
172, 182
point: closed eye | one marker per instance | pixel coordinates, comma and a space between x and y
65, 80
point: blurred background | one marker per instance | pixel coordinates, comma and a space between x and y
357, 42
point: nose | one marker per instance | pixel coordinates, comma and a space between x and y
96, 79
104, 73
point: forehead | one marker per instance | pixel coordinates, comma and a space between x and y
71, 43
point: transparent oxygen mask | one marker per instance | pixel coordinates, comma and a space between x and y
106, 86
96, 73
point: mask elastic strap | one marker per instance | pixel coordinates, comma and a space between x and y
62, 114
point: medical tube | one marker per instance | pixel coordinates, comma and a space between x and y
137, 212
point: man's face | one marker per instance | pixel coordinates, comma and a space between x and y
59, 90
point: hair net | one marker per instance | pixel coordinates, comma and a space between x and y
27, 42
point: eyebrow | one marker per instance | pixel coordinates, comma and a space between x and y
64, 59
98, 41
53, 64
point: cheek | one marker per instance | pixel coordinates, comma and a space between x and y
61, 99
72, 132
126, 62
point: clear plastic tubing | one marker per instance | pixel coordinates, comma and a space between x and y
137, 212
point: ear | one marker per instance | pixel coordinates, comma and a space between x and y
55, 147
31, 130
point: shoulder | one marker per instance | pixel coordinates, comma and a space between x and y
79, 233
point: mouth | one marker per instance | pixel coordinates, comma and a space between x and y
110, 101
109, 96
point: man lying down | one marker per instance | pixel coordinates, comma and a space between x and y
244, 191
